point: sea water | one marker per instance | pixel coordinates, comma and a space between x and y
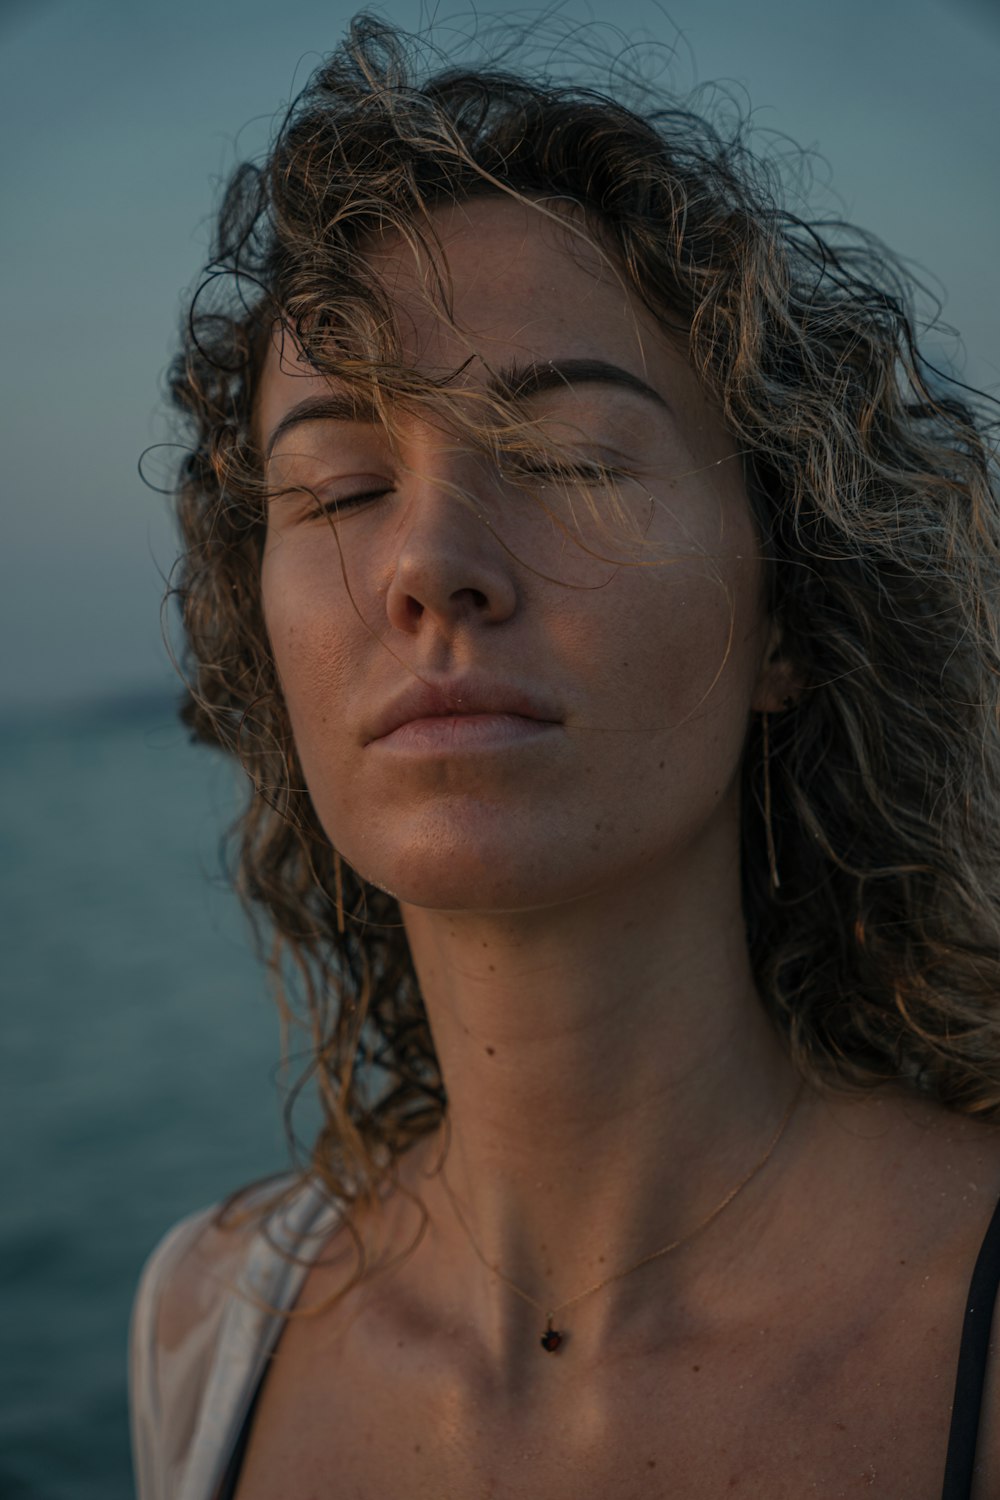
138, 1068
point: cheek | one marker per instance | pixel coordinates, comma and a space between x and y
686, 645
308, 615
695, 626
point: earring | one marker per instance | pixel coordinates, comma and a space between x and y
772, 862
338, 889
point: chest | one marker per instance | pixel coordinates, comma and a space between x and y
839, 1406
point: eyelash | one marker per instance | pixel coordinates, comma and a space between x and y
588, 473
347, 502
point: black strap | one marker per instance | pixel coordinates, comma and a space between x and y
971, 1374
227, 1485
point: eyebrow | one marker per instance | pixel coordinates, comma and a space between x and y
512, 380
526, 380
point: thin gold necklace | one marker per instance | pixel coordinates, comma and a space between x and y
552, 1336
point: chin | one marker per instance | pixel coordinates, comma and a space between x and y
461, 867
466, 887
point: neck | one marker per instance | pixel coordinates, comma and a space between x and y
611, 1076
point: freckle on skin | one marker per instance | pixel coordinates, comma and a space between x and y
696, 1368
490, 1051
651, 1463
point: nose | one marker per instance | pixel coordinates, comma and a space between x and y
448, 568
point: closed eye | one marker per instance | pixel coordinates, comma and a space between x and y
349, 502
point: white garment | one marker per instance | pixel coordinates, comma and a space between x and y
196, 1357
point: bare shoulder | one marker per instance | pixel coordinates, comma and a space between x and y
914, 1141
927, 1176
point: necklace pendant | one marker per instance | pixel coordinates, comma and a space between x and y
551, 1338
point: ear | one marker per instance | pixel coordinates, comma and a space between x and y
778, 679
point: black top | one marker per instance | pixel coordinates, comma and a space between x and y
971, 1375
970, 1379
227, 1489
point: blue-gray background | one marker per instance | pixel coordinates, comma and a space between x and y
139, 1048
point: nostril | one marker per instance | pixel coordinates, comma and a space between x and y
450, 584
475, 597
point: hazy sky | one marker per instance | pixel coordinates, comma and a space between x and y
119, 119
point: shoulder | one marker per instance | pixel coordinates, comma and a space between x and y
193, 1315
185, 1275
181, 1277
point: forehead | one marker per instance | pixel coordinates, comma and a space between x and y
519, 273
520, 287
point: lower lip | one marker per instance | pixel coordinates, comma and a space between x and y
460, 733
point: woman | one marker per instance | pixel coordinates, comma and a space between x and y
602, 603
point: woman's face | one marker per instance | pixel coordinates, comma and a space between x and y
569, 711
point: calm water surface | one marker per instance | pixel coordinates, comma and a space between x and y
138, 1070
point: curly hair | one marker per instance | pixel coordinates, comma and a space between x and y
871, 483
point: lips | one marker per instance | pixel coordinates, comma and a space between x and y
457, 697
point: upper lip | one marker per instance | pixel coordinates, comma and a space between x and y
460, 695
